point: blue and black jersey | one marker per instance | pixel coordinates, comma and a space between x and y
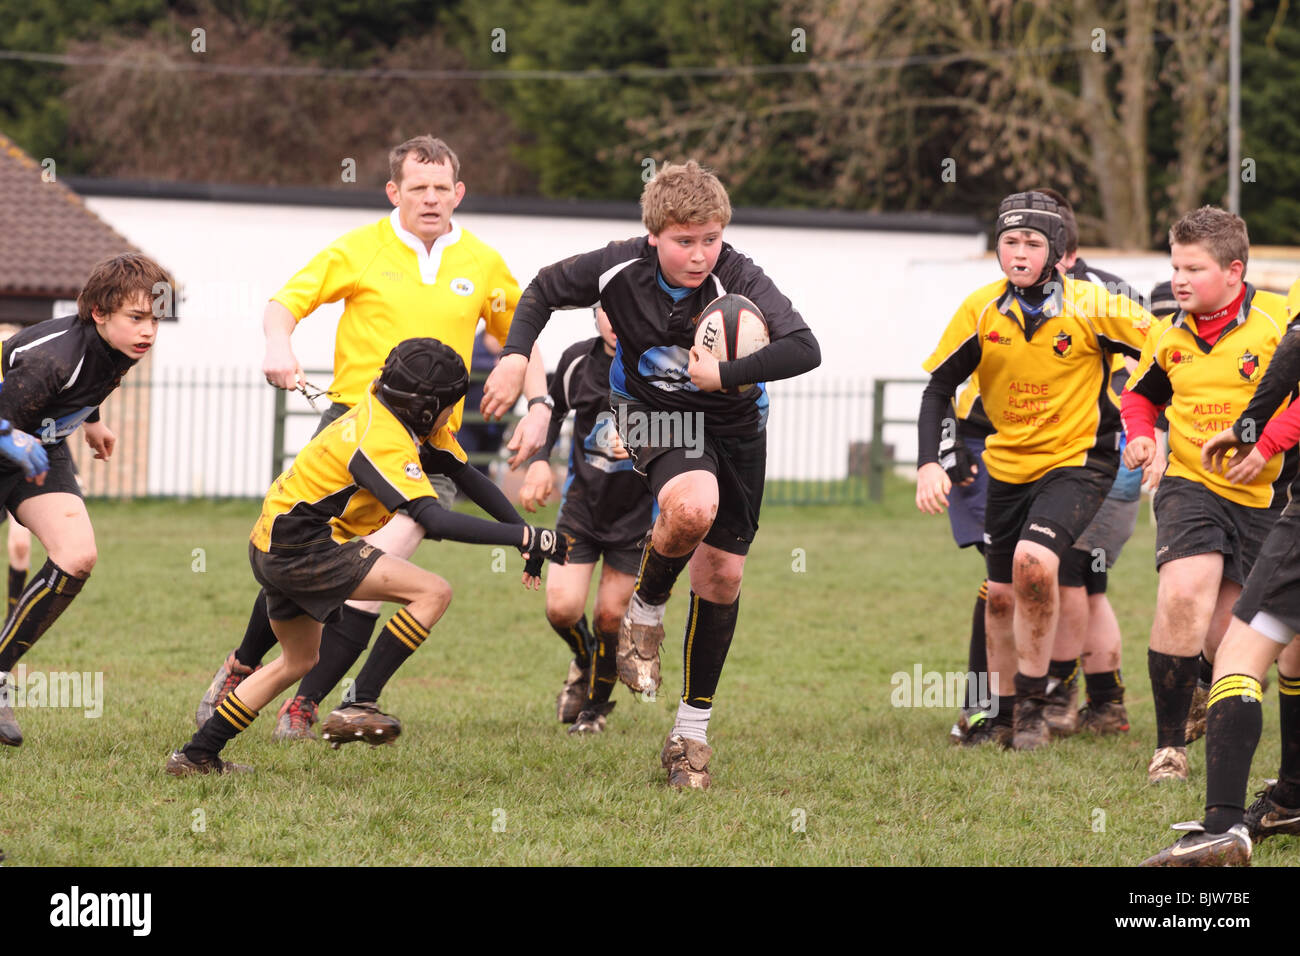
55, 374
655, 326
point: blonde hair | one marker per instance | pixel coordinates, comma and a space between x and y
1221, 233
683, 194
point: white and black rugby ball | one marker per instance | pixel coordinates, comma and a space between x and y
731, 327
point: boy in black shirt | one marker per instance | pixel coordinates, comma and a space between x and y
53, 377
606, 512
694, 426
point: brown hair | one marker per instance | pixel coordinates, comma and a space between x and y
683, 194
116, 280
1067, 217
425, 149
1221, 233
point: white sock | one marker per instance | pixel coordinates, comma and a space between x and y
646, 614
692, 722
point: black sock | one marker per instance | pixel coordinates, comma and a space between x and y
709, 630
1006, 710
51, 591
1234, 719
230, 717
578, 637
655, 582
1173, 681
977, 658
258, 636
17, 578
1287, 791
342, 643
605, 674
1105, 687
1206, 674
1067, 672
399, 639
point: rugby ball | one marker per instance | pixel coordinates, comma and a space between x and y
731, 327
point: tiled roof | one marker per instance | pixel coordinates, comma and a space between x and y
49, 240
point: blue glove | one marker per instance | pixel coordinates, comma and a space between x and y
23, 450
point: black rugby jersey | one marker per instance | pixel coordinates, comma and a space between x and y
602, 495
655, 333
55, 374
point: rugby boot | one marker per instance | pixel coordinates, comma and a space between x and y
1169, 763
984, 729
360, 722
10, 734
1103, 719
295, 720
179, 765
638, 654
1199, 848
1266, 817
592, 719
687, 763
1060, 713
1030, 730
573, 695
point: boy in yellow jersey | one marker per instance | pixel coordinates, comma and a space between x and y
307, 553
415, 272
1264, 623
1204, 362
1041, 344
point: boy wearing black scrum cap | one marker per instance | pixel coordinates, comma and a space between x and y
1041, 344
308, 554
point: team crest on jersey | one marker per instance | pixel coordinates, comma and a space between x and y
462, 286
1248, 366
412, 471
1062, 344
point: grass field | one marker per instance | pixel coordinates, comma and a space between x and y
813, 765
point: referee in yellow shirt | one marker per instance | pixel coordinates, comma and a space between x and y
414, 273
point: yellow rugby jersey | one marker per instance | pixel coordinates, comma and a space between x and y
350, 479
1207, 386
1293, 300
388, 299
1045, 391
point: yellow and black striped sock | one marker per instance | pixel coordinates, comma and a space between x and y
977, 657
578, 637
605, 672
1287, 791
1234, 719
654, 583
709, 630
230, 718
47, 596
399, 639
1105, 687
